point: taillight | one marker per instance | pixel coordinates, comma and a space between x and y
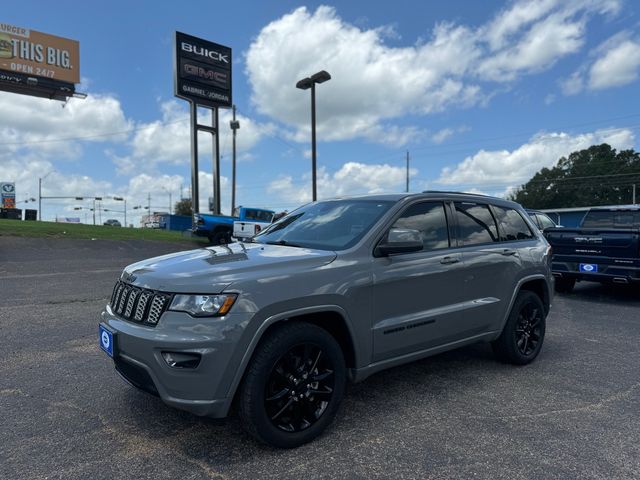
257, 229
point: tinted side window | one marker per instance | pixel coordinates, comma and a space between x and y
430, 220
535, 219
545, 221
475, 223
512, 225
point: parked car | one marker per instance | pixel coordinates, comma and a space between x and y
112, 222
541, 219
337, 290
605, 248
219, 228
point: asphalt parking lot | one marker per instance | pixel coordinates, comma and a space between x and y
65, 414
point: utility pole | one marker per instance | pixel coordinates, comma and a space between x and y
634, 194
125, 213
149, 203
235, 125
215, 123
94, 211
407, 171
40, 199
170, 203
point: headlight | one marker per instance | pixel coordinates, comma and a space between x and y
203, 305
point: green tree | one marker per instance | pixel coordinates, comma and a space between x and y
597, 175
183, 207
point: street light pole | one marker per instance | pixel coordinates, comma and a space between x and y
313, 142
235, 125
305, 84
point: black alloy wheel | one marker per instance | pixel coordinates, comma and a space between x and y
523, 334
528, 331
299, 388
293, 385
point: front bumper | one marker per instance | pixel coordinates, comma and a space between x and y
203, 390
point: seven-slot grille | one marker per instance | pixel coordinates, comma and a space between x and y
138, 304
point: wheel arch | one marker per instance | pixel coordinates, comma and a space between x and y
539, 287
332, 318
534, 283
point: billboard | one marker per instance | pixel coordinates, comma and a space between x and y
36, 63
202, 71
8, 195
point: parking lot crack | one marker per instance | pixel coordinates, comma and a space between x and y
589, 408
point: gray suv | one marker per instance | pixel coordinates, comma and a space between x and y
336, 290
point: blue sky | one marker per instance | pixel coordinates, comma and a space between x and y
482, 95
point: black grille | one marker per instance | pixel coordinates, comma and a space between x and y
138, 304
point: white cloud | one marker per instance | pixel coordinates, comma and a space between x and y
370, 81
614, 63
373, 83
504, 167
445, 133
547, 41
352, 178
618, 66
30, 124
168, 139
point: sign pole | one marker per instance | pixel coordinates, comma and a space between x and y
234, 127
216, 162
195, 196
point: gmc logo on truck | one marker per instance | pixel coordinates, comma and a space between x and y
588, 239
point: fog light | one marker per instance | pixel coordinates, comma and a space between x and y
181, 360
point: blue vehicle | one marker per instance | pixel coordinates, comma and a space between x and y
219, 228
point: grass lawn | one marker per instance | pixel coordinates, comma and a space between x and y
17, 228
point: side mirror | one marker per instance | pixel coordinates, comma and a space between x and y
399, 240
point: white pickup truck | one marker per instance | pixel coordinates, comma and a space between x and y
245, 230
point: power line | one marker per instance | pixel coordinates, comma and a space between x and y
98, 135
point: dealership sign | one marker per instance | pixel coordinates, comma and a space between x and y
202, 71
8, 195
36, 63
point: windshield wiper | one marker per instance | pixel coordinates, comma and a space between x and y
284, 243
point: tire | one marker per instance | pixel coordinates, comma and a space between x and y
269, 407
565, 285
220, 238
521, 339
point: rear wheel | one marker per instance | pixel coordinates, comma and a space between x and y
565, 285
523, 334
220, 238
294, 385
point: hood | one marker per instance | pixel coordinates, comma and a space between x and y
212, 269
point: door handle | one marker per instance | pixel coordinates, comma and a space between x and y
509, 251
449, 260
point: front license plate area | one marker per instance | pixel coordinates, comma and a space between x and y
588, 267
106, 338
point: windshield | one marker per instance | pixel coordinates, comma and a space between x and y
330, 225
612, 219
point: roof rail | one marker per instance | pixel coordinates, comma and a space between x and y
456, 193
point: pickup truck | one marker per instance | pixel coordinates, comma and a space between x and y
219, 228
605, 248
246, 230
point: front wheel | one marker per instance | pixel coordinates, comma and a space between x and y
523, 334
294, 385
